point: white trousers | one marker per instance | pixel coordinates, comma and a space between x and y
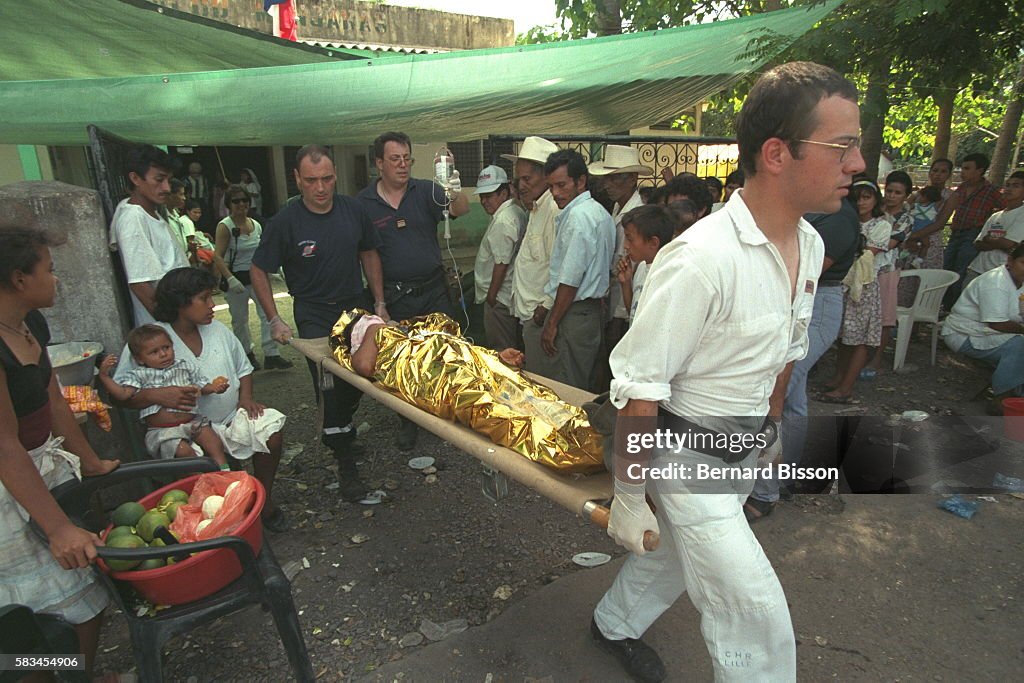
708, 550
238, 305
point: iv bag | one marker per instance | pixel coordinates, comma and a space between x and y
444, 164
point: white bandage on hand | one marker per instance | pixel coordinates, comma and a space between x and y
631, 517
279, 330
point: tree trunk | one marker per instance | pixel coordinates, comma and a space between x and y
944, 100
608, 17
872, 116
1008, 131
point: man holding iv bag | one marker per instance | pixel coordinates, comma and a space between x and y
406, 212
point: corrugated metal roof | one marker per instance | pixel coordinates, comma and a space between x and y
374, 47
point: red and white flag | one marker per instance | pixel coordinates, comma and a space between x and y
283, 13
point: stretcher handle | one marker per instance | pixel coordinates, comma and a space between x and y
599, 515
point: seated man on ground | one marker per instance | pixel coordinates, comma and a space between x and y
986, 324
171, 433
426, 362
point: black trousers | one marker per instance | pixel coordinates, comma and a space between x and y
314, 320
432, 299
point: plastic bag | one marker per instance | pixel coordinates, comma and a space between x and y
959, 506
236, 506
205, 256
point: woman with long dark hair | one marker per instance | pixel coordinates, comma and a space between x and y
41, 446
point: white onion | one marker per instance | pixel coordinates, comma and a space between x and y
212, 505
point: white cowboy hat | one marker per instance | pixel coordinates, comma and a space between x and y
534, 149
490, 179
619, 159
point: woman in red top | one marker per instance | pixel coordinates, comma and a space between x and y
41, 446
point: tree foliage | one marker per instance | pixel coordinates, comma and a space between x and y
908, 56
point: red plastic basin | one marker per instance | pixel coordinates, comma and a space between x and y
200, 575
1013, 418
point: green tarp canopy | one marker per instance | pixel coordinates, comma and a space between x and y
597, 85
65, 39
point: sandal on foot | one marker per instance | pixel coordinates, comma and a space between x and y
755, 509
839, 400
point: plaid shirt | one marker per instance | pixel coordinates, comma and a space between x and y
975, 208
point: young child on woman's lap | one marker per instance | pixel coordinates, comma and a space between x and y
171, 433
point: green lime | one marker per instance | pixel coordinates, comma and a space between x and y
154, 563
149, 522
119, 531
127, 514
174, 495
157, 543
124, 541
171, 509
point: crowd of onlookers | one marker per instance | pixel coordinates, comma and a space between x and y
560, 273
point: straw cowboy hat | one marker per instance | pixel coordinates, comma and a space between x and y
619, 159
534, 149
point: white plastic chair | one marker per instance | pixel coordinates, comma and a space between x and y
934, 283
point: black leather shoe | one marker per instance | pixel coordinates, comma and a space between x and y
407, 434
637, 657
276, 363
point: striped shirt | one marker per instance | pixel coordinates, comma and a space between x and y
179, 374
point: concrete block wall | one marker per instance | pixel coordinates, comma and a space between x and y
87, 307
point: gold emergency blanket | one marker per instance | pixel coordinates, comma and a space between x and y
427, 363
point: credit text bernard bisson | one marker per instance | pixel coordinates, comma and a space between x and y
668, 440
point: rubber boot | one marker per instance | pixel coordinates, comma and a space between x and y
346, 452
351, 487
407, 433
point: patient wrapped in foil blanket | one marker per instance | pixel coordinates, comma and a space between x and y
426, 362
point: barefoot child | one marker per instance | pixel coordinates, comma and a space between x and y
171, 433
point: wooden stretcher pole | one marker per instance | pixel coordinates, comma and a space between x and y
220, 162
599, 515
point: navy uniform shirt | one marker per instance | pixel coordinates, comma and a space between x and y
409, 248
840, 232
319, 252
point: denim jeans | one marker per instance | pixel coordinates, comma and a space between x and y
958, 255
1008, 360
238, 305
826, 321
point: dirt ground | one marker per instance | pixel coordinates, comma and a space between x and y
882, 588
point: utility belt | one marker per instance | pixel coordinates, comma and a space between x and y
714, 443
393, 291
